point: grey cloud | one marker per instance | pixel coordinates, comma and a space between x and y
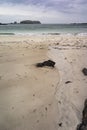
63, 6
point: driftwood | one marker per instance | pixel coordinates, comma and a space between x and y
83, 125
49, 63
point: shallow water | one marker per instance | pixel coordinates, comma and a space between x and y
30, 29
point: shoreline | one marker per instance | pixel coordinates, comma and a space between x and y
44, 34
39, 98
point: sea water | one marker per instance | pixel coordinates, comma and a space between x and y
42, 29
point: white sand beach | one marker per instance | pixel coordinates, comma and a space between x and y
34, 98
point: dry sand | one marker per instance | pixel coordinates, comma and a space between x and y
38, 98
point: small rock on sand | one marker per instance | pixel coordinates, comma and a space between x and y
49, 63
84, 71
67, 82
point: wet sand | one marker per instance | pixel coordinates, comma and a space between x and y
39, 98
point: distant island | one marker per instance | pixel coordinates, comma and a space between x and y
3, 24
78, 23
23, 22
30, 22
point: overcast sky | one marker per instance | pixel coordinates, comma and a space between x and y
47, 11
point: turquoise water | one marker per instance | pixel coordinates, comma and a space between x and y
23, 29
